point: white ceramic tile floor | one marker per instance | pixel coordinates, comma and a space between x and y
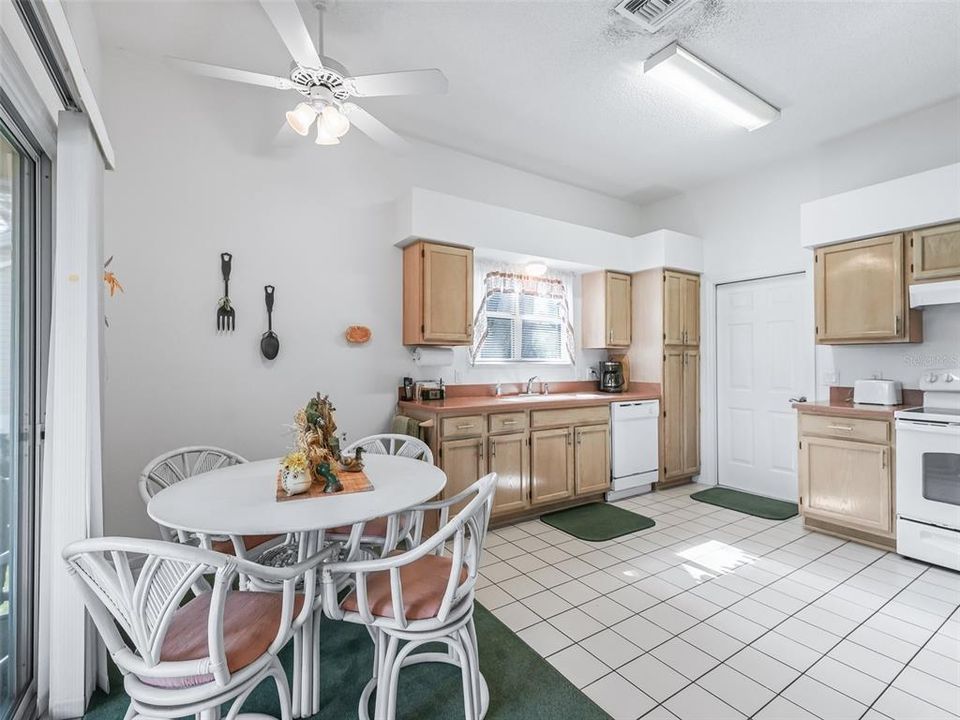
715, 614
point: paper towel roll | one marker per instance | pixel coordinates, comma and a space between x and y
433, 356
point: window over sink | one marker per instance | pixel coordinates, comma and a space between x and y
522, 318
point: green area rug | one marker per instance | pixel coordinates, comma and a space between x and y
523, 686
597, 521
748, 503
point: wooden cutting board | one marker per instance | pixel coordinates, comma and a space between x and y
352, 482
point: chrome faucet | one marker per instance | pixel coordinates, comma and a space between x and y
530, 384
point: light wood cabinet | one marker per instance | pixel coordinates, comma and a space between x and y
551, 465
861, 293
437, 294
846, 477
846, 482
665, 350
936, 253
463, 463
680, 413
681, 308
564, 456
606, 309
690, 392
509, 459
591, 458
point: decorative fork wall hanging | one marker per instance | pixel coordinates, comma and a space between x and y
226, 314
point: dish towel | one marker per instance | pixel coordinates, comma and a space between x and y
404, 425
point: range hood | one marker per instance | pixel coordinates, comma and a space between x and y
935, 293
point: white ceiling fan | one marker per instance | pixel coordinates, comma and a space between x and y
325, 84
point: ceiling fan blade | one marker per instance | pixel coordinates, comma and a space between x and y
234, 74
407, 82
286, 18
374, 129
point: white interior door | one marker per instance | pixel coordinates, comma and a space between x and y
762, 361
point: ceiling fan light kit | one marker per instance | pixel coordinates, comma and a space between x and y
325, 84
703, 83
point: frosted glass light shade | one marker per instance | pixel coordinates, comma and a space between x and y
334, 121
324, 137
301, 118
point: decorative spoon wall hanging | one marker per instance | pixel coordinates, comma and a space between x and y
269, 343
226, 314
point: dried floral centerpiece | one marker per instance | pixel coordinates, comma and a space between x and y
318, 448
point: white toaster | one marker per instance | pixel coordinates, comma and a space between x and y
877, 392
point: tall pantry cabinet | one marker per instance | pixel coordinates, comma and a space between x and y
666, 350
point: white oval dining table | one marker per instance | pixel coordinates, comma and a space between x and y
241, 500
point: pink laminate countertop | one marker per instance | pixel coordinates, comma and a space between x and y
506, 403
847, 408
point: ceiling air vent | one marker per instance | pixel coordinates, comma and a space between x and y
651, 15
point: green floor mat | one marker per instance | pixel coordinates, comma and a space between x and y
523, 686
755, 505
597, 521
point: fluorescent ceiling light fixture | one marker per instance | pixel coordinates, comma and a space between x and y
690, 75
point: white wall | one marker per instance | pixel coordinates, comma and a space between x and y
315, 222
750, 226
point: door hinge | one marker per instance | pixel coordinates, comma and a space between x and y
664, 413
423, 253
800, 445
816, 330
423, 328
911, 267
911, 242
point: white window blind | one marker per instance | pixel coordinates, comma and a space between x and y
522, 318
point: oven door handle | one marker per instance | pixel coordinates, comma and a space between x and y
953, 430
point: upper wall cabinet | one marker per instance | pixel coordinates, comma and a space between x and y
681, 308
437, 294
861, 293
606, 309
936, 253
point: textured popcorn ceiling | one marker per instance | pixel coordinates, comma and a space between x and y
553, 87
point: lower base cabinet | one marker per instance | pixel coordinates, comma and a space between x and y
509, 459
463, 463
541, 457
592, 459
551, 465
847, 482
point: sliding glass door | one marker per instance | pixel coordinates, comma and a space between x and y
19, 400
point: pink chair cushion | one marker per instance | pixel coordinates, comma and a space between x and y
423, 583
374, 528
250, 624
249, 542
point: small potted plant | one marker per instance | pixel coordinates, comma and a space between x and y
295, 476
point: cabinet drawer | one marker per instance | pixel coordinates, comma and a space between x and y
461, 426
877, 431
507, 422
570, 416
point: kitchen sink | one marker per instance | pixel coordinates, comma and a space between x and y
557, 396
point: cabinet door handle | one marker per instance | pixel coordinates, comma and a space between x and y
465, 427
610, 336
897, 326
570, 438
883, 459
845, 428
509, 422
493, 448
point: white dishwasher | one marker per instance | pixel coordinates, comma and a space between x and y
635, 451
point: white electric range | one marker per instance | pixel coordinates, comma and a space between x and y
928, 472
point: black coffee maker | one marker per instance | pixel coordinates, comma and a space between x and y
611, 376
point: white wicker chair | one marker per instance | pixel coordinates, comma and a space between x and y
382, 535
437, 607
183, 660
178, 465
